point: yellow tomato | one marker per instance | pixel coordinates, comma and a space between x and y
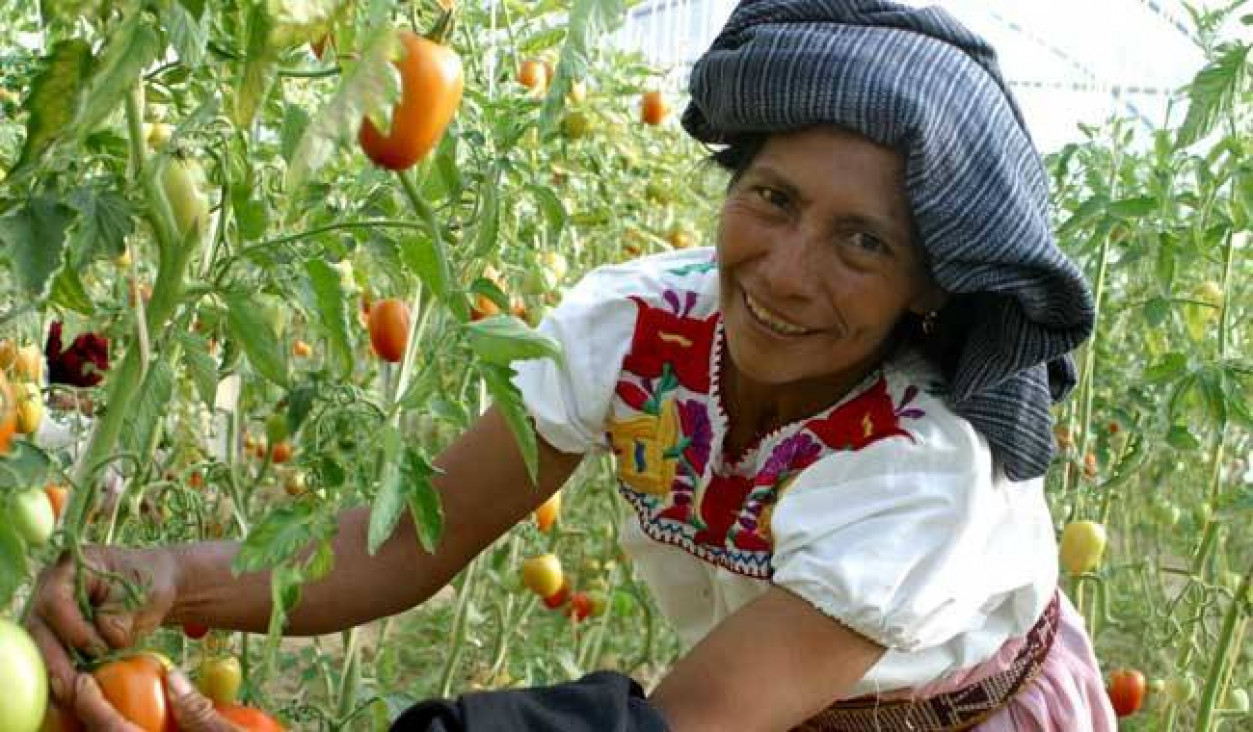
1082, 546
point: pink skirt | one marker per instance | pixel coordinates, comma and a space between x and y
1068, 695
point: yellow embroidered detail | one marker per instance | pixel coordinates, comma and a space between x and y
867, 425
674, 338
639, 445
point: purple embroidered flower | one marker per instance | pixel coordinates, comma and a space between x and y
794, 453
694, 418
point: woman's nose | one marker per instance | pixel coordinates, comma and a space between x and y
790, 266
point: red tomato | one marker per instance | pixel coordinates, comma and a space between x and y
431, 84
282, 452
135, 686
389, 328
1126, 691
195, 631
249, 719
580, 606
558, 598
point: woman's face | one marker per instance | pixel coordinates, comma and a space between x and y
817, 259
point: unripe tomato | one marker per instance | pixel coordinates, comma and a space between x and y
123, 260
294, 483
431, 85
249, 719
276, 428
533, 75
653, 109
576, 124
28, 365
598, 601
157, 134
1180, 689
219, 679
1238, 701
542, 574
135, 686
1082, 546
1090, 466
1210, 292
1126, 691
23, 680
30, 408
580, 606
8, 414
33, 516
546, 514
577, 93
682, 239
57, 496
181, 179
389, 328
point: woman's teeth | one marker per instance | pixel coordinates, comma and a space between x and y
772, 321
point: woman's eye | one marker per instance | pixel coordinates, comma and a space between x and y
772, 196
867, 242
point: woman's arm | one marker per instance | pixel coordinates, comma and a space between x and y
770, 666
484, 490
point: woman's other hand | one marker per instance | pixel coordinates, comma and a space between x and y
130, 591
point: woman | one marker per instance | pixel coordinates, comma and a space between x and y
832, 429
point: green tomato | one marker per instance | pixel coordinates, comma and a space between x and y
1238, 701
1180, 689
276, 428
23, 679
33, 517
182, 179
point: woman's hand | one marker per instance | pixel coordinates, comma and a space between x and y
121, 615
192, 710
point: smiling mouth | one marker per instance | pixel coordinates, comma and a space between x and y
771, 321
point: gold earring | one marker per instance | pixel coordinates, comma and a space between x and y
929, 323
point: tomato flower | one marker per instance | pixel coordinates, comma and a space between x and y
82, 364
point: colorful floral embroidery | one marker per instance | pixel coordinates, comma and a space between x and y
669, 453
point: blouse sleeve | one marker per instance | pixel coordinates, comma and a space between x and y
912, 541
570, 401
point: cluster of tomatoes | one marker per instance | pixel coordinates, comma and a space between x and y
544, 576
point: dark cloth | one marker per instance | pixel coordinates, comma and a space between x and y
599, 702
918, 81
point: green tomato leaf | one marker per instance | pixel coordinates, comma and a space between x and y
35, 238
1214, 91
249, 324
424, 503
53, 102
105, 219
507, 399
1133, 208
1169, 368
554, 212
133, 46
389, 502
188, 32
13, 569
200, 366
487, 232
281, 535
259, 70
503, 339
24, 466
422, 257
295, 122
68, 292
370, 83
1181, 438
332, 310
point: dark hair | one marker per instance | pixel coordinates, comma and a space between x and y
944, 344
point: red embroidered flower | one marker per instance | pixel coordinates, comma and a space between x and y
664, 338
82, 364
720, 504
868, 418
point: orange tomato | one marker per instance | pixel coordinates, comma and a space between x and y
653, 108
300, 349
8, 414
431, 84
484, 307
135, 686
57, 496
533, 75
546, 514
249, 719
389, 328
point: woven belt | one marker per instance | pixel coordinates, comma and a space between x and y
957, 710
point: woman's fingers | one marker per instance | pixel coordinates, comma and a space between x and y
55, 604
192, 710
95, 712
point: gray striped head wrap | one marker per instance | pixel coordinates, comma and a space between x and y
918, 81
